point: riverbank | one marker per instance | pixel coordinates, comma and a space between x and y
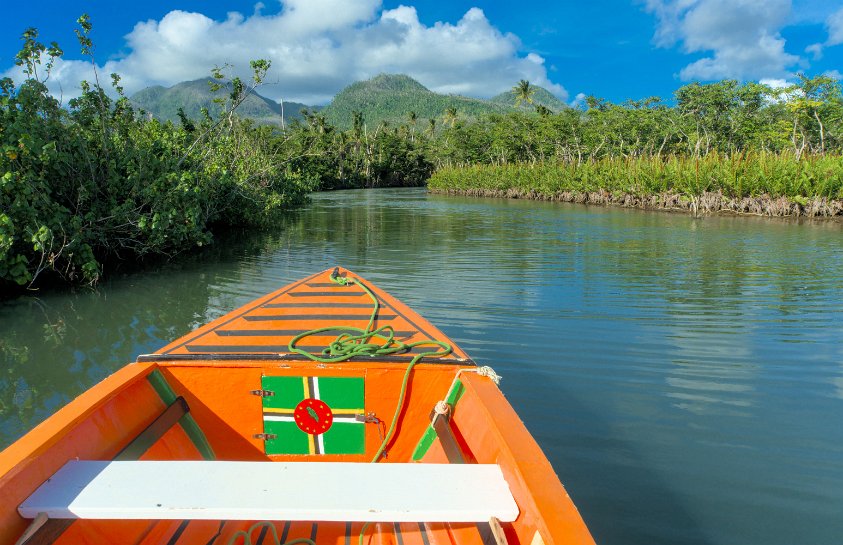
753, 184
97, 182
707, 203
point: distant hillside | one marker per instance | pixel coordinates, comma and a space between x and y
541, 97
392, 97
384, 97
164, 103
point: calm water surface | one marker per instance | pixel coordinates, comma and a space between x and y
684, 376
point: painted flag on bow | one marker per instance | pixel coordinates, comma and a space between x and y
314, 415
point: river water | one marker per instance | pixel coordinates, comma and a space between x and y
684, 376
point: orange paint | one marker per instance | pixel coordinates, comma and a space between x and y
103, 420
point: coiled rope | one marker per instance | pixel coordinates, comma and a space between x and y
369, 342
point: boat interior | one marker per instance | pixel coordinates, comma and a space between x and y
234, 391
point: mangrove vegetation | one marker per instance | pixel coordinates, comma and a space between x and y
722, 146
99, 180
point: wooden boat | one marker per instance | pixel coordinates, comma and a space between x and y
244, 431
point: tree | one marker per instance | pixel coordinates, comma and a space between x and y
450, 117
357, 123
412, 117
523, 92
811, 99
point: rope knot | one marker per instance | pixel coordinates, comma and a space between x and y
486, 371
441, 408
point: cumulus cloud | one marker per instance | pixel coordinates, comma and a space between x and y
741, 36
834, 24
319, 46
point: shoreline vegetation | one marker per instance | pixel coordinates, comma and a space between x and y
97, 181
722, 147
761, 184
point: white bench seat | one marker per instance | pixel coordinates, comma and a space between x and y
307, 491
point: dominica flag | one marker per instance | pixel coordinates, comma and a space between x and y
314, 415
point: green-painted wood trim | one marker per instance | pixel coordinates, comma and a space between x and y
425, 443
429, 435
455, 396
187, 422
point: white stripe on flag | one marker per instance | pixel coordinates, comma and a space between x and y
268, 418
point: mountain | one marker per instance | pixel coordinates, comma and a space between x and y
541, 97
164, 103
393, 97
389, 97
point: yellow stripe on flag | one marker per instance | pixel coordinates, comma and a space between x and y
273, 410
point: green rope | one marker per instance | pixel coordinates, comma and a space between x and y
347, 346
362, 533
247, 535
368, 342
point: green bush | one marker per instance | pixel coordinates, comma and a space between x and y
97, 181
741, 175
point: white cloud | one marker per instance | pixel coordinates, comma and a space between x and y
776, 83
317, 47
834, 24
816, 51
741, 36
579, 101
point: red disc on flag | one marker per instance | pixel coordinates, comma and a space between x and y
313, 416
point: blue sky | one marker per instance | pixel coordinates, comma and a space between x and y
615, 49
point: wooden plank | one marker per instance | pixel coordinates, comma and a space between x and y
497, 531
297, 491
155, 430
441, 423
43, 531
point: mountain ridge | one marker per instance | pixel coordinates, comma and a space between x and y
164, 102
385, 97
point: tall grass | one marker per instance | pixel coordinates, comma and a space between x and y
751, 174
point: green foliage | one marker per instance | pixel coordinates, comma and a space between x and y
717, 118
94, 181
736, 176
523, 92
332, 159
539, 96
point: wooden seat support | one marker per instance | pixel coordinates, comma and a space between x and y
295, 491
